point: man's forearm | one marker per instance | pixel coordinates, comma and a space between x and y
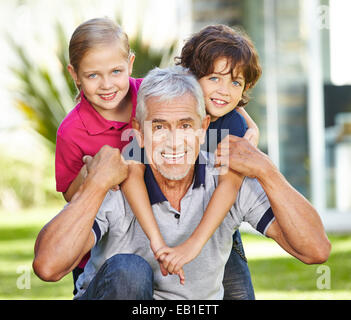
299, 222
64, 239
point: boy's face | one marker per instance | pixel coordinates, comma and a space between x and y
222, 90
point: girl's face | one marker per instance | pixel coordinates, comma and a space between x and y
103, 75
222, 90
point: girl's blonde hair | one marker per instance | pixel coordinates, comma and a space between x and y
93, 33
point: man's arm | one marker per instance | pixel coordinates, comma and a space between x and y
297, 226
68, 237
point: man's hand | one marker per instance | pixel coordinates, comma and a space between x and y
241, 156
107, 168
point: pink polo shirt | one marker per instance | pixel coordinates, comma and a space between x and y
83, 132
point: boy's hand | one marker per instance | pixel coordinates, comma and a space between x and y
253, 135
173, 259
156, 247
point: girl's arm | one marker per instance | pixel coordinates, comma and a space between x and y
135, 191
253, 133
75, 184
220, 203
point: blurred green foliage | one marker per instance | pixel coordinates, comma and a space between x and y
26, 183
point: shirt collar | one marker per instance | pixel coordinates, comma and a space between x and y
154, 191
93, 122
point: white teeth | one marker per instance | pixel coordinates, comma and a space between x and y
218, 101
173, 156
107, 95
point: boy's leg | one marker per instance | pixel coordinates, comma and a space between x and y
122, 277
237, 278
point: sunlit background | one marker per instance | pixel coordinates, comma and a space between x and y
302, 105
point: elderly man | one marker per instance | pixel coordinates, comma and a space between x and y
171, 122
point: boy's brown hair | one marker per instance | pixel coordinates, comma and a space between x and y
219, 41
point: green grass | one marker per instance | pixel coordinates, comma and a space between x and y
17, 237
275, 274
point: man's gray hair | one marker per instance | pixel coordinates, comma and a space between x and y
167, 84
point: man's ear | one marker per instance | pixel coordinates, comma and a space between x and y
73, 74
138, 132
204, 126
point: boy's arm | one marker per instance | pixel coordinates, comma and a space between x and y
253, 133
220, 203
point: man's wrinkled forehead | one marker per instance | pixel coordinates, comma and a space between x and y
179, 108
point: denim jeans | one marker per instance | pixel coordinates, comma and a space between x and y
130, 277
237, 278
122, 277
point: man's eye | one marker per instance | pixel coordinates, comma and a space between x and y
158, 127
186, 126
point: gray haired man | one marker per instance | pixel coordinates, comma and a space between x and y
122, 265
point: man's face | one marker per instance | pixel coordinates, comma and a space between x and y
173, 132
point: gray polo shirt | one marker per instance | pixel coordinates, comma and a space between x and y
116, 230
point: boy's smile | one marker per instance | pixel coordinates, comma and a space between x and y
222, 90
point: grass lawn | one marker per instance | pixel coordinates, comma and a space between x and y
275, 274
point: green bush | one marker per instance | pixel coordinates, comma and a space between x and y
24, 184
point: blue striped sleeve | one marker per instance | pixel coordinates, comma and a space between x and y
97, 232
266, 219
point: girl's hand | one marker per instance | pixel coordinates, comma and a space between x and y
161, 256
173, 259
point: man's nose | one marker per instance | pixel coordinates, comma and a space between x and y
175, 139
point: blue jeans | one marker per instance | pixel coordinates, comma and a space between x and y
122, 277
237, 278
130, 277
